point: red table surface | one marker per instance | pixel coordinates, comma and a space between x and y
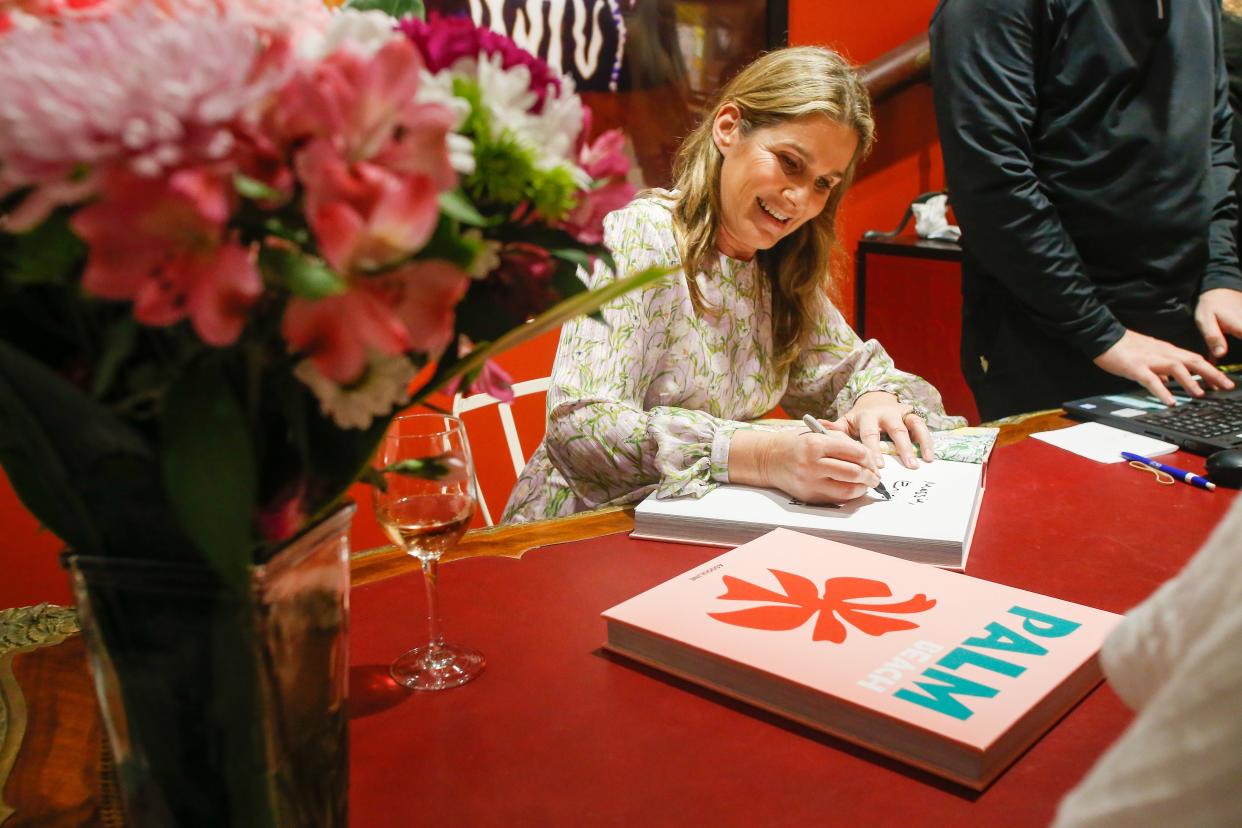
556, 732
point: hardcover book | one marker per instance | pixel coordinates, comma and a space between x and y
930, 517
946, 672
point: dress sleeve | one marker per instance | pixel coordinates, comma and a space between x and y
608, 448
837, 367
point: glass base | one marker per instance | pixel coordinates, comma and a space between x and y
451, 666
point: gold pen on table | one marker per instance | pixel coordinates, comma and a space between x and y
818, 427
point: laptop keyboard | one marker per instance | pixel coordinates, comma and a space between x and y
1213, 418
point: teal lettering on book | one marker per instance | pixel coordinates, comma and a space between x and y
962, 655
1002, 638
1043, 624
942, 697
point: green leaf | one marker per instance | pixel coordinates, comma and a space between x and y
255, 189
209, 469
577, 255
372, 477
298, 235
119, 340
306, 276
88, 476
565, 280
393, 8
554, 317
456, 205
430, 468
50, 253
448, 244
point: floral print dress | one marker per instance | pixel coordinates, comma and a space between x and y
650, 400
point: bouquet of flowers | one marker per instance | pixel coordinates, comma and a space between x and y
237, 237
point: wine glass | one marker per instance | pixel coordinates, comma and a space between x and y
425, 508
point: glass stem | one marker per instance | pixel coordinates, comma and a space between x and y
435, 638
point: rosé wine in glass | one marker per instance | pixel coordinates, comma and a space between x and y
425, 506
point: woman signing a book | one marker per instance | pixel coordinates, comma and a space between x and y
657, 398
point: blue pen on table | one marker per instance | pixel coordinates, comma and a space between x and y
1174, 472
818, 427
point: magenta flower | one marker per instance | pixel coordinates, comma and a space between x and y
445, 40
521, 285
161, 243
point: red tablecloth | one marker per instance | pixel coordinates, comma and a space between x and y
555, 732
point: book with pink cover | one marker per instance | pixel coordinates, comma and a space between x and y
938, 669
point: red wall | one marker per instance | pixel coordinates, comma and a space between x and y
906, 159
906, 162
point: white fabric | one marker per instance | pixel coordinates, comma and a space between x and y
1177, 659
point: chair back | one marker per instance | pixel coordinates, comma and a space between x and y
514, 452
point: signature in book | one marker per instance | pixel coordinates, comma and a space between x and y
837, 607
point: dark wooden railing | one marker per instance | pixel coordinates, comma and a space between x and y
897, 69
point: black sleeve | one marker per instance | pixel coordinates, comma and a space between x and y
1222, 270
983, 56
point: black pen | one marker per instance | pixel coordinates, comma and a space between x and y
818, 427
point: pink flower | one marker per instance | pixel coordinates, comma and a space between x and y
161, 243
337, 331
374, 159
426, 294
365, 216
491, 379
97, 91
408, 309
605, 162
365, 108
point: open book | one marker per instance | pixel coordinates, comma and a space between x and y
930, 518
946, 672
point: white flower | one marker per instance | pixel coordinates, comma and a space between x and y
362, 32
438, 88
550, 134
383, 385
554, 131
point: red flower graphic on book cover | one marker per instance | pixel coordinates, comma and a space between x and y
801, 600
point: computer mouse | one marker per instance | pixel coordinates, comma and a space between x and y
1224, 468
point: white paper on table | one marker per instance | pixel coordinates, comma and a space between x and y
1104, 444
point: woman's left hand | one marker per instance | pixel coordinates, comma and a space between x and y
877, 413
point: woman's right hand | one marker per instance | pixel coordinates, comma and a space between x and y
814, 468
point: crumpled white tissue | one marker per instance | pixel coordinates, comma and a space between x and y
930, 221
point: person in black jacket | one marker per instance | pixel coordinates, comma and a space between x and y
1089, 160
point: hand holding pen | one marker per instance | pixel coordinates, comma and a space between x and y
818, 427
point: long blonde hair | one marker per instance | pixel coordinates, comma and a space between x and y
779, 86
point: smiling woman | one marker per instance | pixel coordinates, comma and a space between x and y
656, 397
774, 180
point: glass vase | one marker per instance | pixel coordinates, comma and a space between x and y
225, 707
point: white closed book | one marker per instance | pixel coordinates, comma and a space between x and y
930, 518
